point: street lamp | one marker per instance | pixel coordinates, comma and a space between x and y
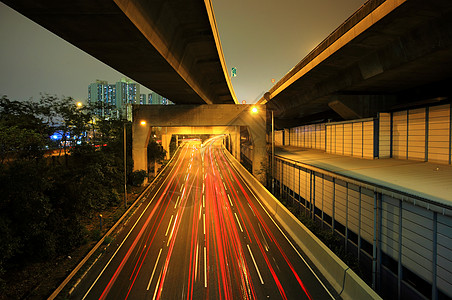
79, 104
267, 97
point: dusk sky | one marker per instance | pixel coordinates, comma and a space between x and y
262, 41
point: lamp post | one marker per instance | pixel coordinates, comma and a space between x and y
267, 97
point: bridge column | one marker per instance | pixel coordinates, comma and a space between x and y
257, 129
235, 142
166, 139
140, 140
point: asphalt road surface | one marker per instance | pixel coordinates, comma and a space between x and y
201, 234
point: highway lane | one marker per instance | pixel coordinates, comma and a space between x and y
201, 234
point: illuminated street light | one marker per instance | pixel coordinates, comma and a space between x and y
254, 110
143, 123
79, 104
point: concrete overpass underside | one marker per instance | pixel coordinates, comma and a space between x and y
171, 47
232, 133
388, 54
201, 119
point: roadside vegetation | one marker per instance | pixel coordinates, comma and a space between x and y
330, 239
53, 189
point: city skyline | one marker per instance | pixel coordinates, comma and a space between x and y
114, 97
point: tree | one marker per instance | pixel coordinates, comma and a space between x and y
155, 151
22, 134
42, 205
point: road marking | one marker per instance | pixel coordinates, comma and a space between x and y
238, 222
172, 230
204, 223
177, 201
196, 261
203, 187
181, 187
255, 265
169, 225
230, 200
282, 232
205, 268
130, 231
225, 186
265, 240
155, 267
157, 286
251, 209
203, 201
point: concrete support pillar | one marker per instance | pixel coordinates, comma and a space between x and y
235, 136
286, 137
257, 129
166, 139
140, 140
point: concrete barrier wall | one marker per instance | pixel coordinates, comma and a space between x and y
346, 283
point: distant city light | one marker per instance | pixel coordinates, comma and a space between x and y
79, 104
57, 135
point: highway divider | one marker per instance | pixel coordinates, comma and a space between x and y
344, 281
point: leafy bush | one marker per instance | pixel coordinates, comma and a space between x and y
107, 240
136, 178
95, 234
42, 203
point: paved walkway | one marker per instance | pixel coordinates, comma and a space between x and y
425, 179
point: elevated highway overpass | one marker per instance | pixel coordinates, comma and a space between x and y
364, 125
171, 47
388, 54
392, 57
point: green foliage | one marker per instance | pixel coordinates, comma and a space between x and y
136, 178
95, 234
155, 151
107, 240
173, 145
22, 134
331, 240
42, 204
